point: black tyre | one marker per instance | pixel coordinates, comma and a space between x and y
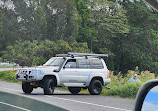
74, 90
95, 87
48, 86
27, 88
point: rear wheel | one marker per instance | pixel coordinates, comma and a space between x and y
48, 86
27, 88
95, 87
74, 90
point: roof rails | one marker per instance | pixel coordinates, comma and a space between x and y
87, 54
67, 55
74, 54
61, 55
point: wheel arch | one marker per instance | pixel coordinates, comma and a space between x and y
97, 78
50, 76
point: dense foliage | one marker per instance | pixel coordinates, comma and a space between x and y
32, 31
37, 53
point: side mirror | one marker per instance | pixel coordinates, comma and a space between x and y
147, 97
66, 66
56, 70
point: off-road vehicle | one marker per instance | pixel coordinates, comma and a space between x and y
73, 70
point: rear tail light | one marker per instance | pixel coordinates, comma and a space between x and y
108, 74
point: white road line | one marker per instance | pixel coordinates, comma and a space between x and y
14, 106
90, 103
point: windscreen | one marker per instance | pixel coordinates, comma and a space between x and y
54, 62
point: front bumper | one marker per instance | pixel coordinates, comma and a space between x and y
26, 76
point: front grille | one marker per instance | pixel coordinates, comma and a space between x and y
24, 72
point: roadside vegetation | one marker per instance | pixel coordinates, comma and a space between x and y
8, 76
6, 66
119, 85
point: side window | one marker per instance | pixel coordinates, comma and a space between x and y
71, 63
82, 63
96, 64
88, 64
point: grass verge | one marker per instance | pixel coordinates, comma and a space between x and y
9, 76
128, 90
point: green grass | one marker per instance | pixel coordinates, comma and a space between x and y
3, 66
9, 76
128, 90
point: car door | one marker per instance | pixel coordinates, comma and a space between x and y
68, 74
83, 70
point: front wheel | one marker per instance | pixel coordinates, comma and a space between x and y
95, 87
48, 86
27, 88
74, 90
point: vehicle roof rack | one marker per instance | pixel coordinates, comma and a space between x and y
66, 55
87, 54
61, 55
74, 54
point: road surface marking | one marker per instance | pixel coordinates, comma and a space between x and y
14, 106
90, 103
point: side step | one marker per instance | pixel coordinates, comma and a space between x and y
75, 84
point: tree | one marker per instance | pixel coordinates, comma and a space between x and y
111, 23
139, 47
31, 20
62, 18
8, 28
28, 53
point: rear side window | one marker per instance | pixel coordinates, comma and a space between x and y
96, 64
83, 63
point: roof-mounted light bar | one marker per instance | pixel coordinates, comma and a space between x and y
87, 54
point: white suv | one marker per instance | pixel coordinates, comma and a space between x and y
73, 70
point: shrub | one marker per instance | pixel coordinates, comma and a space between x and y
120, 86
8, 76
127, 90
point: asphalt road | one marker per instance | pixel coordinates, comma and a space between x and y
81, 102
